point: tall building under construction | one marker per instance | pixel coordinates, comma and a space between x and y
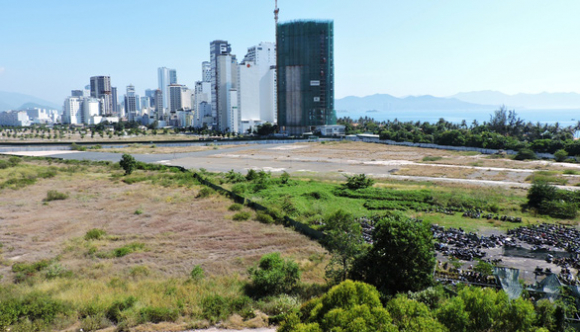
305, 77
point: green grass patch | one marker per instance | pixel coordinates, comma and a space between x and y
550, 177
241, 216
431, 158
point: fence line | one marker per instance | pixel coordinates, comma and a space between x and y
288, 222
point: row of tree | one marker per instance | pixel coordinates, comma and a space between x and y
505, 130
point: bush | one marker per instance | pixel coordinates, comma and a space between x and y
114, 312
349, 306
358, 182
274, 275
197, 273
128, 163
561, 155
4, 164
235, 207
95, 234
241, 216
214, 308
53, 195
263, 217
526, 154
205, 192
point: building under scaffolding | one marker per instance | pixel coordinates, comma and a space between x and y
305, 76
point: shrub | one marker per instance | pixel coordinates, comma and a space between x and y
234, 177
95, 234
526, 154
251, 175
205, 192
358, 182
114, 312
127, 249
128, 163
197, 273
241, 216
53, 195
4, 164
274, 275
13, 161
284, 178
138, 212
561, 155
263, 217
214, 308
235, 207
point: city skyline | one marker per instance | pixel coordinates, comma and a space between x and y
412, 48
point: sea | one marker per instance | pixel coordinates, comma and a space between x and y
564, 117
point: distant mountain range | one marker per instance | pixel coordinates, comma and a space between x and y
544, 100
480, 100
16, 101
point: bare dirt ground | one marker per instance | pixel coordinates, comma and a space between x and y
154, 149
179, 230
409, 161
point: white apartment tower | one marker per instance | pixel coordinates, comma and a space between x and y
224, 81
257, 86
166, 77
72, 112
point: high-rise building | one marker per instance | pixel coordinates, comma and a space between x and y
72, 111
174, 97
202, 104
206, 71
130, 103
159, 104
165, 78
101, 89
90, 109
305, 76
77, 93
257, 90
115, 101
224, 81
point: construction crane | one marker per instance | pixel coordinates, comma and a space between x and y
276, 11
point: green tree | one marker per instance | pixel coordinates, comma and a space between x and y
274, 275
412, 316
360, 181
348, 307
561, 155
526, 154
343, 239
401, 258
128, 163
539, 193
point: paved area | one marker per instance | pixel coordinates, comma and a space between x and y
237, 158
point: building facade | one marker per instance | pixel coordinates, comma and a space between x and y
305, 76
257, 87
101, 89
165, 78
224, 90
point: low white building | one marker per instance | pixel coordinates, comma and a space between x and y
14, 119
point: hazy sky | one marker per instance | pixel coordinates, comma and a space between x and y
411, 47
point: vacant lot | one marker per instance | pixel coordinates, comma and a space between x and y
153, 233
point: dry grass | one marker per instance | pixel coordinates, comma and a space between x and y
178, 229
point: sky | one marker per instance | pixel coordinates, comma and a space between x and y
411, 47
